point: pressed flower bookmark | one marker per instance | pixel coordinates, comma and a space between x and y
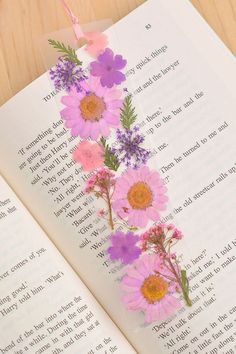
134, 194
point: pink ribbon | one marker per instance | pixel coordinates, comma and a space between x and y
75, 21
96, 41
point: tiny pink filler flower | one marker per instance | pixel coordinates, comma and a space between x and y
139, 196
93, 111
101, 184
90, 155
149, 288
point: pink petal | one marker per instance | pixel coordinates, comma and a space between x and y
111, 118
71, 123
85, 131
150, 262
70, 113
132, 282
122, 187
149, 314
144, 173
143, 268
94, 83
84, 84
156, 311
130, 176
160, 206
98, 42
114, 104
135, 219
70, 101
75, 130
119, 204
101, 91
133, 273
154, 178
74, 93
113, 94
94, 132
153, 214
174, 302
104, 127
128, 289
134, 301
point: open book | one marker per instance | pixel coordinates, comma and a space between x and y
59, 292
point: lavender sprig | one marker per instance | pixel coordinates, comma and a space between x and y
66, 74
129, 150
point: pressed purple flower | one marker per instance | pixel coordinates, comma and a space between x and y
67, 74
129, 150
108, 67
124, 247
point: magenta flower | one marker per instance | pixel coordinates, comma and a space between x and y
93, 111
108, 67
139, 196
124, 247
149, 288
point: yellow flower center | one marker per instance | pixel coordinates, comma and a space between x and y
154, 288
140, 196
92, 107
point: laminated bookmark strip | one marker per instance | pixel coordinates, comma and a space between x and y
96, 106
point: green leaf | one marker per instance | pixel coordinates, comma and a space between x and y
68, 52
185, 285
110, 160
184, 279
128, 115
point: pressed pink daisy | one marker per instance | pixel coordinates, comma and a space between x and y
93, 111
149, 288
139, 196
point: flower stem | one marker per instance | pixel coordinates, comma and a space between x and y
183, 284
181, 280
185, 287
110, 210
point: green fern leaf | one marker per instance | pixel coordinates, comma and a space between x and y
110, 159
128, 115
68, 52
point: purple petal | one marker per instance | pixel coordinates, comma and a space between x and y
118, 77
97, 69
119, 62
107, 80
106, 58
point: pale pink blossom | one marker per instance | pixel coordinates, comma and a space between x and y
90, 155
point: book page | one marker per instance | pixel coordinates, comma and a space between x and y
183, 84
44, 307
